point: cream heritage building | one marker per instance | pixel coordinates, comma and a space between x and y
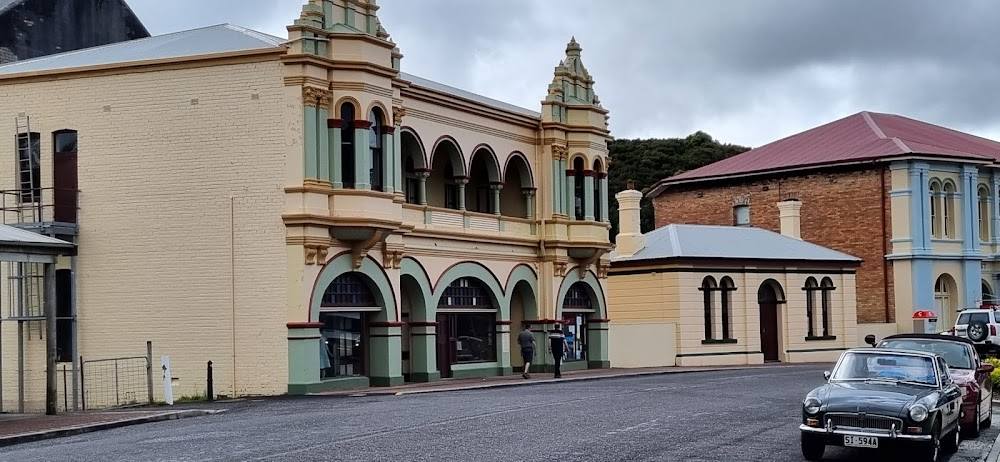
300, 212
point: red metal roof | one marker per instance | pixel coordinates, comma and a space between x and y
865, 136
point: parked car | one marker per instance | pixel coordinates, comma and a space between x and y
981, 326
967, 369
882, 397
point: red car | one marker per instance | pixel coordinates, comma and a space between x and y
966, 367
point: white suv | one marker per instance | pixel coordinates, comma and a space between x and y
980, 326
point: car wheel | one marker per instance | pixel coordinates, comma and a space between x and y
812, 447
978, 331
974, 428
951, 440
989, 418
929, 451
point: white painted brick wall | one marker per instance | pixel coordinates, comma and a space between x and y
158, 177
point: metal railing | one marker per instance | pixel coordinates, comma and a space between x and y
39, 205
117, 382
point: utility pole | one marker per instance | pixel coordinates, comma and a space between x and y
51, 393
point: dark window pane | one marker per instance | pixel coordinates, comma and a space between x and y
466, 293
475, 335
348, 289
65, 142
342, 346
577, 296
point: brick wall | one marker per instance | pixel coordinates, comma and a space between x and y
840, 210
181, 174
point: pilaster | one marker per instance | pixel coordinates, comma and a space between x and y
603, 178
588, 195
385, 344
423, 352
333, 128
569, 177
970, 211
362, 156
495, 188
389, 163
994, 208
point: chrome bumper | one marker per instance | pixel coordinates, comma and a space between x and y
892, 435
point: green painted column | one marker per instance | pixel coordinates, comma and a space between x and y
557, 188
397, 161
529, 202
385, 354
336, 175
388, 159
423, 352
496, 188
597, 344
309, 140
422, 176
603, 178
303, 356
362, 155
504, 343
570, 194
322, 119
588, 195
461, 182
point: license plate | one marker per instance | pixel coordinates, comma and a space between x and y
860, 441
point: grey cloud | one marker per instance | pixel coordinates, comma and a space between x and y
747, 71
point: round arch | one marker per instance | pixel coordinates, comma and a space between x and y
596, 292
945, 299
473, 270
384, 113
355, 104
519, 161
410, 143
775, 288
492, 163
454, 152
371, 272
598, 165
411, 269
523, 274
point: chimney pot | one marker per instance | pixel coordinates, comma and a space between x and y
629, 239
629, 184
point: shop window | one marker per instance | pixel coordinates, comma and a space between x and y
469, 334
343, 337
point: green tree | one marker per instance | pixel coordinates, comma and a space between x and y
646, 161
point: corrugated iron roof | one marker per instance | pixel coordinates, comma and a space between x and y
729, 242
221, 38
13, 236
422, 82
865, 136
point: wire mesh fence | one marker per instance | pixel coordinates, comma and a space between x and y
117, 382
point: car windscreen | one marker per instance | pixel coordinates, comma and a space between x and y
954, 353
969, 318
886, 366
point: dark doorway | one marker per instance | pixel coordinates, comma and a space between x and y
446, 351
64, 177
64, 316
767, 298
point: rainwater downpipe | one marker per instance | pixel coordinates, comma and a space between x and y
232, 280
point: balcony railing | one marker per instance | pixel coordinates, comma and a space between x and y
473, 222
48, 211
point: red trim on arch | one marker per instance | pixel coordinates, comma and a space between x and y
386, 324
602, 175
570, 172
362, 124
424, 323
334, 123
388, 129
588, 173
504, 323
304, 325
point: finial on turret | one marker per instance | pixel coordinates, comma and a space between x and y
573, 47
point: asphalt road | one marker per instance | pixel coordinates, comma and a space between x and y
716, 416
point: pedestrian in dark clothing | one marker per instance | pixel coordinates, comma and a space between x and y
557, 344
527, 342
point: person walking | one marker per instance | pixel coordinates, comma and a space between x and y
558, 347
527, 342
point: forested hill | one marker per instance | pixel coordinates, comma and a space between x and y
647, 161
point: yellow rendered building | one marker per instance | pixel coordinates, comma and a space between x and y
300, 213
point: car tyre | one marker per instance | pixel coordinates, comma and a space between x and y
974, 428
978, 331
989, 419
812, 447
929, 452
952, 439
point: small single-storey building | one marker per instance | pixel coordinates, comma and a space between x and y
691, 295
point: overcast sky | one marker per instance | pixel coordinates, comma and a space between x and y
744, 71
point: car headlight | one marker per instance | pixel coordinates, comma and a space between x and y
811, 405
918, 412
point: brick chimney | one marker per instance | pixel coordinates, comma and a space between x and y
629, 239
788, 211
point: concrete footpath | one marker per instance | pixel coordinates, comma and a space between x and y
23, 428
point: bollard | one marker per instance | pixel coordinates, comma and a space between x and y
211, 395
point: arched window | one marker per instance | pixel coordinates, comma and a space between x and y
598, 171
375, 145
726, 286
348, 290
984, 213
344, 312
935, 193
987, 293
347, 145
466, 323
948, 210
708, 287
577, 307
811, 288
579, 194
827, 288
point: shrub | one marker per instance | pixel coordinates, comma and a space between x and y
995, 375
